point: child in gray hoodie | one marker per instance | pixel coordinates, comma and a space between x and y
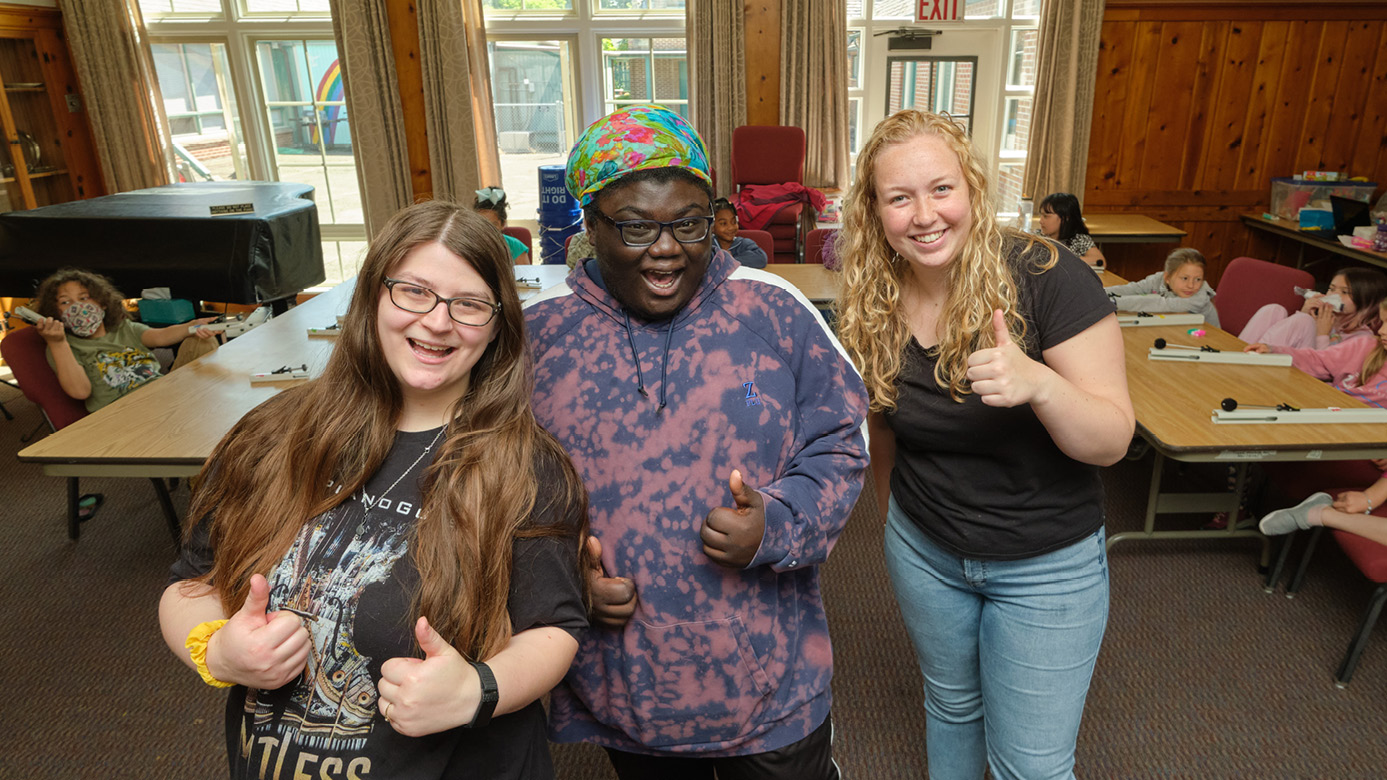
1181, 288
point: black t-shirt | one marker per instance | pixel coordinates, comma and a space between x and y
351, 571
988, 482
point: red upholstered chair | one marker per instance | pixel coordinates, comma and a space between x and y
520, 234
772, 155
814, 246
24, 351
1368, 557
1289, 483
762, 239
1249, 284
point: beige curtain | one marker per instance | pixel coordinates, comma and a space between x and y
463, 153
717, 55
371, 88
110, 51
814, 85
1062, 114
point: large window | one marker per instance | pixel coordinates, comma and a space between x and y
981, 71
253, 91
558, 65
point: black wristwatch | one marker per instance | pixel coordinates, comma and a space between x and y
490, 695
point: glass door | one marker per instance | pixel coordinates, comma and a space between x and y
532, 89
942, 85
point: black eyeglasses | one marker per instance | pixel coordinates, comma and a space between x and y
464, 310
644, 232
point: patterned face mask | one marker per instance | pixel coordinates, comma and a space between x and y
83, 318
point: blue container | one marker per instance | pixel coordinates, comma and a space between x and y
559, 215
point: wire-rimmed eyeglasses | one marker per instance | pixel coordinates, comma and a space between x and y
417, 299
644, 232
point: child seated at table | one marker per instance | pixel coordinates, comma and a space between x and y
1180, 288
97, 351
1357, 367
1361, 512
1062, 220
743, 249
491, 203
1321, 323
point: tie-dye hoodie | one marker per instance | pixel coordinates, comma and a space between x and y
715, 661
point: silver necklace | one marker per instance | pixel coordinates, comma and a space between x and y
406, 472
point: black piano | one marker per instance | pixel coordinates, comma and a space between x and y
169, 237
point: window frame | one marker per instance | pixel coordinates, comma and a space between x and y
240, 34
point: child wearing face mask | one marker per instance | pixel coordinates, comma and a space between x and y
1181, 288
1347, 310
97, 351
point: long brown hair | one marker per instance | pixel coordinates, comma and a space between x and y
1368, 289
102, 291
270, 475
871, 319
1377, 357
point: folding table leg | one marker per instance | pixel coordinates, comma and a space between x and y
1294, 586
170, 514
1360, 640
74, 499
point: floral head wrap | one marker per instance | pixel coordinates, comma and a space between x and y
633, 139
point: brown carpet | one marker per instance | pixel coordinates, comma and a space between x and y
1202, 674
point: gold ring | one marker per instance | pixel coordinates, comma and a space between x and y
385, 712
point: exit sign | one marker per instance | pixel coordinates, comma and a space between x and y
939, 11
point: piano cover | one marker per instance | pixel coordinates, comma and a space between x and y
166, 237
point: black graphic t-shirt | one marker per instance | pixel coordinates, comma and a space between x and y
350, 575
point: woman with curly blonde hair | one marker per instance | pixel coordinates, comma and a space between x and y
995, 369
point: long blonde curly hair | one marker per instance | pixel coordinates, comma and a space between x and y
872, 322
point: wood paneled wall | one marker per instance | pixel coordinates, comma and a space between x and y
762, 46
1200, 104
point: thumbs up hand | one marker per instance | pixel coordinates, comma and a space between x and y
259, 649
1003, 375
613, 598
427, 695
731, 536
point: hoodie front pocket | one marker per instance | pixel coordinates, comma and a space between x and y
693, 683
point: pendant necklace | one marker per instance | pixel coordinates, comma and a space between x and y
407, 471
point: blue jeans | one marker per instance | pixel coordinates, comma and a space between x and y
1007, 649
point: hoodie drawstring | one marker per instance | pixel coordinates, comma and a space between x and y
636, 358
664, 365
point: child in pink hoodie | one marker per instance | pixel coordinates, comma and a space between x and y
1356, 366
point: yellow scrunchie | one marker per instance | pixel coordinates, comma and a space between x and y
197, 646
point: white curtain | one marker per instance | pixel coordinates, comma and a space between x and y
110, 51
814, 85
371, 89
717, 58
463, 154
1062, 114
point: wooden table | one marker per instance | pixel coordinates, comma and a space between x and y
1285, 228
1126, 229
818, 284
169, 428
1175, 401
1131, 229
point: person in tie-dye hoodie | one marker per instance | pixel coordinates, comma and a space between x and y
718, 427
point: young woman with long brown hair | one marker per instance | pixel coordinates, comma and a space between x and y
386, 554
995, 369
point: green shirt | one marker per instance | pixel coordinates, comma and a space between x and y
516, 246
115, 363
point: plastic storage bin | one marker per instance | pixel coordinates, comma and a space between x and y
1289, 196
